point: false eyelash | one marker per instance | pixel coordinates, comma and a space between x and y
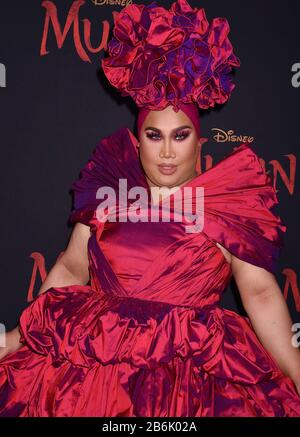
183, 134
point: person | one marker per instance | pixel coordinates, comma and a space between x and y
128, 321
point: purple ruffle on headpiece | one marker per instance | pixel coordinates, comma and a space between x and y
161, 57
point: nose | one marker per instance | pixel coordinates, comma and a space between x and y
167, 150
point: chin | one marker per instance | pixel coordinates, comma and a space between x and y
167, 180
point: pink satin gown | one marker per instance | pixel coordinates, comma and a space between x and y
148, 336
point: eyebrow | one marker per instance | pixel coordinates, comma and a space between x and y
175, 129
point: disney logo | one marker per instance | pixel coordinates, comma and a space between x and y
112, 2
221, 136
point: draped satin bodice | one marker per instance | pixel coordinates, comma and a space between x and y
158, 261
161, 260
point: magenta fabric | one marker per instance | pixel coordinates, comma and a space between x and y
148, 336
190, 110
161, 56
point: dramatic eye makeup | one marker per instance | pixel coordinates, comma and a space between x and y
180, 133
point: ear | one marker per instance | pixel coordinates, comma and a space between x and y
201, 141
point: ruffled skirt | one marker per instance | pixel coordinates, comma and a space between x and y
87, 353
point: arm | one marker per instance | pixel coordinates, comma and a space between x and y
71, 268
269, 315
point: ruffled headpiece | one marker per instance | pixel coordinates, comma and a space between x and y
163, 57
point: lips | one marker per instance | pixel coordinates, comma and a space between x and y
167, 168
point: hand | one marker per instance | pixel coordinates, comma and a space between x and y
12, 342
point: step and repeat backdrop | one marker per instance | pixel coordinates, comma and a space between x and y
56, 104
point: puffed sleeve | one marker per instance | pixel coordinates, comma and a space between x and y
114, 157
239, 209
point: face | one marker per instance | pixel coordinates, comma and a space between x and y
170, 138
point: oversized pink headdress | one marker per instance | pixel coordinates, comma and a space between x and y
173, 57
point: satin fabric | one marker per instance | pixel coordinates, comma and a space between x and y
148, 336
161, 56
